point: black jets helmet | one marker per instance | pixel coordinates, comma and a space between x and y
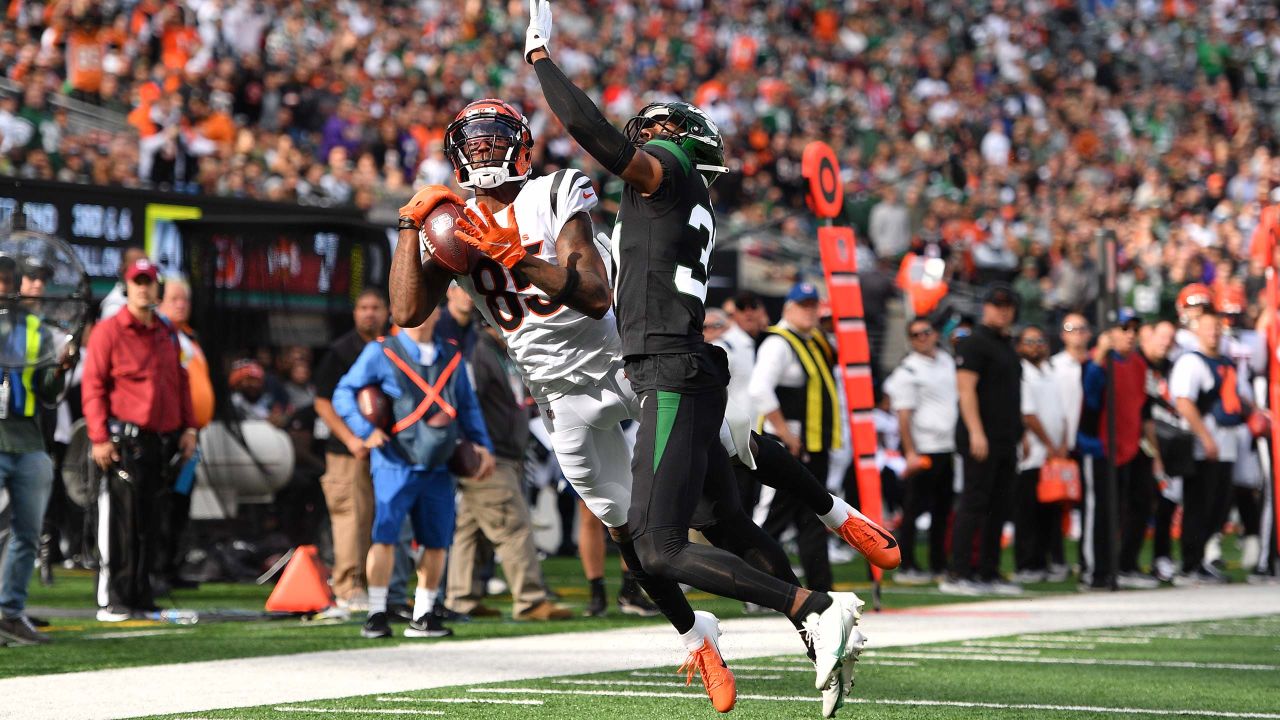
686, 126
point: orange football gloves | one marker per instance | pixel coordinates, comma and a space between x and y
486, 235
426, 200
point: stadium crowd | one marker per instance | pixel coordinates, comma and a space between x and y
1004, 138
1003, 135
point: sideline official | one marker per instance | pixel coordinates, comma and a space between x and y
794, 391
137, 405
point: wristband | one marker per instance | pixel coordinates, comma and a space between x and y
407, 223
571, 283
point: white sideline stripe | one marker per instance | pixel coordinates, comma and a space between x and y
477, 701
916, 702
992, 644
303, 678
931, 655
1102, 639
371, 711
737, 675
1004, 652
134, 634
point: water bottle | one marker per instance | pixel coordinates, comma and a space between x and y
175, 617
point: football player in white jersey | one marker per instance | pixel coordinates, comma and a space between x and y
543, 284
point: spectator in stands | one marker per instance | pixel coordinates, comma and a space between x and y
348, 489
137, 404
1038, 551
922, 391
987, 379
409, 460
890, 225
26, 470
492, 510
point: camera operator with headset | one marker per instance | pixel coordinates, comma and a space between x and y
26, 469
141, 437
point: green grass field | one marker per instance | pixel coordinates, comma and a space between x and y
1213, 669
81, 643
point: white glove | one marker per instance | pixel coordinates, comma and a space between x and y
539, 32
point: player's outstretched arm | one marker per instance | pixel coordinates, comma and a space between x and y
579, 278
416, 287
580, 116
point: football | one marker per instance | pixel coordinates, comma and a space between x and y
374, 406
443, 246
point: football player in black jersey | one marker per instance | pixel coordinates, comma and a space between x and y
662, 245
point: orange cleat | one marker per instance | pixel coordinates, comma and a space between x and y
874, 542
717, 678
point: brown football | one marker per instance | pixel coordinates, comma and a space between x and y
443, 246
374, 406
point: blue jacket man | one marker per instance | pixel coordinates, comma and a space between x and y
433, 404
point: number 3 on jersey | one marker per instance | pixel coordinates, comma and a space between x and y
693, 280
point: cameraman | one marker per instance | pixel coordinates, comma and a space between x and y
26, 469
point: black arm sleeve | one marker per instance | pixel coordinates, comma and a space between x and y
583, 119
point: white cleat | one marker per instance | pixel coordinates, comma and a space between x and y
833, 694
841, 684
831, 633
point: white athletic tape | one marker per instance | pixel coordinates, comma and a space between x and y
1071, 661
887, 701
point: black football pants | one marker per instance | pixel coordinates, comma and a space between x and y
132, 507
985, 505
678, 460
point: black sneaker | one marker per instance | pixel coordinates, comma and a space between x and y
376, 627
447, 615
399, 613
635, 603
598, 605
19, 631
428, 626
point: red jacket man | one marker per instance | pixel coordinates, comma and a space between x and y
137, 405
